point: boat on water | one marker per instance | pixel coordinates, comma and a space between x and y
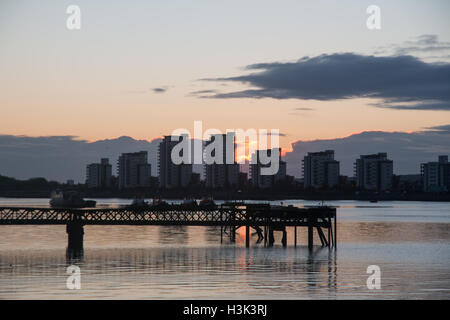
189, 204
207, 203
158, 203
138, 202
69, 199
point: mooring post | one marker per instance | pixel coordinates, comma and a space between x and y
75, 234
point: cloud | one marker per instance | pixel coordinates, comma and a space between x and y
431, 105
421, 45
64, 157
203, 93
160, 90
407, 149
154, 90
304, 109
401, 82
444, 129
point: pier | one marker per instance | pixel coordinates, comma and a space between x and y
263, 218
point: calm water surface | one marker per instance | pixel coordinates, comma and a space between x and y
409, 241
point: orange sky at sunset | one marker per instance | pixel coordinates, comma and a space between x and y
97, 82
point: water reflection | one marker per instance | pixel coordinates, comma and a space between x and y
193, 269
173, 235
74, 255
226, 272
156, 262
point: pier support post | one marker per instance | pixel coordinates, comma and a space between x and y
233, 227
323, 239
284, 239
271, 237
75, 233
295, 236
329, 232
221, 227
335, 232
265, 236
247, 236
310, 234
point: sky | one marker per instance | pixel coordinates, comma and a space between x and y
311, 69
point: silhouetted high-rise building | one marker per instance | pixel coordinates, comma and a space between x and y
172, 175
374, 172
98, 175
436, 175
133, 170
266, 181
320, 170
224, 172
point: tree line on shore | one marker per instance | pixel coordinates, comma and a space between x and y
41, 187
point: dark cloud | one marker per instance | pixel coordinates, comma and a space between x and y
444, 106
146, 91
407, 149
64, 157
402, 82
159, 90
445, 129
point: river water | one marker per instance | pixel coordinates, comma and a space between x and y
408, 241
